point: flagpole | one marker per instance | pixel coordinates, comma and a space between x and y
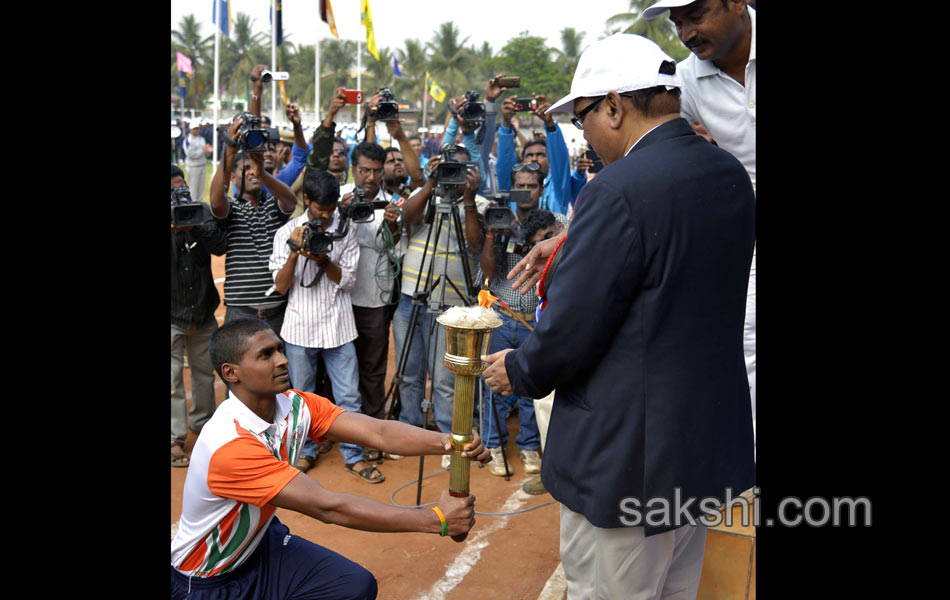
217, 42
359, 77
316, 75
273, 62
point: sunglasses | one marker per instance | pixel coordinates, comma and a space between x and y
339, 151
578, 119
526, 167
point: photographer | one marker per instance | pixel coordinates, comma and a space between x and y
560, 185
251, 219
373, 301
410, 172
447, 265
194, 298
319, 317
503, 249
330, 150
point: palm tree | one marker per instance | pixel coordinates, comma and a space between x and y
187, 39
572, 43
337, 67
449, 60
300, 84
413, 64
377, 73
660, 30
241, 53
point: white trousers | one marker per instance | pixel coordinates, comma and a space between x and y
607, 564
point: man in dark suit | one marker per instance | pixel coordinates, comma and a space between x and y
641, 335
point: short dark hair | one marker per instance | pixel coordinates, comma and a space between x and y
230, 341
539, 174
238, 158
657, 101
464, 151
177, 172
415, 136
337, 139
370, 150
320, 187
536, 220
534, 142
392, 149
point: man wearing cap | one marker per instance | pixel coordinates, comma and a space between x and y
195, 160
719, 95
650, 426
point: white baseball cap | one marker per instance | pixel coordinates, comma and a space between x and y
623, 62
662, 6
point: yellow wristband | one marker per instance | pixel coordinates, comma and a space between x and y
445, 526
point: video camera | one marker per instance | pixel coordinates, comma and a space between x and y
499, 216
316, 239
252, 137
187, 212
472, 111
362, 210
451, 171
388, 108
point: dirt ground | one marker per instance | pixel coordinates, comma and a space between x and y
505, 557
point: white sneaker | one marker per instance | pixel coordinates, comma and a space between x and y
446, 460
531, 460
497, 464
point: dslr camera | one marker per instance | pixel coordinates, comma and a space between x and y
387, 110
472, 110
187, 212
498, 215
252, 137
362, 210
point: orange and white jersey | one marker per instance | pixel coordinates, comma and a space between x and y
239, 463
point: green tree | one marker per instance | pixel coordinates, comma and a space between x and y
337, 68
377, 73
413, 64
450, 60
529, 57
572, 45
660, 30
241, 52
188, 40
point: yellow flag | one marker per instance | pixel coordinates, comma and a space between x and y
283, 92
366, 18
437, 93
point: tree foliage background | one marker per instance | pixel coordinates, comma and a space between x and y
457, 64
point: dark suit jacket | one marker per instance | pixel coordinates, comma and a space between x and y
642, 335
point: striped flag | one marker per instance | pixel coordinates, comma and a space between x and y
366, 18
326, 14
224, 9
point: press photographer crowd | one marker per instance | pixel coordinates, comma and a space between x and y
622, 274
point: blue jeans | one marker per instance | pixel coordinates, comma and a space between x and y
344, 375
511, 334
412, 387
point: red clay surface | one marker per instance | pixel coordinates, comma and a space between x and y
503, 558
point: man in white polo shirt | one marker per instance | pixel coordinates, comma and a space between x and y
719, 94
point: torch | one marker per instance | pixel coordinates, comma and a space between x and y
467, 337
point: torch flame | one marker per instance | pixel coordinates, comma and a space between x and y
485, 298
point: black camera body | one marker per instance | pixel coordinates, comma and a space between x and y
472, 110
187, 212
451, 171
362, 210
252, 137
388, 109
499, 216
315, 239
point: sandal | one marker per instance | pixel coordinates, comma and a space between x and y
366, 474
370, 454
307, 463
180, 459
325, 447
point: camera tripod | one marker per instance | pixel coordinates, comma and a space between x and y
423, 298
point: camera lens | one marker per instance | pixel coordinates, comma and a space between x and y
254, 139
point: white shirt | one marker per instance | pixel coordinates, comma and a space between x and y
320, 316
724, 107
374, 280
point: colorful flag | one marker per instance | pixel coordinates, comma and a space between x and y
366, 18
437, 93
184, 63
396, 67
283, 92
280, 22
182, 83
224, 9
326, 14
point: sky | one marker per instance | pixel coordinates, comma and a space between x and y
397, 20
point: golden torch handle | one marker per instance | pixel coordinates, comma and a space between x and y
459, 467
